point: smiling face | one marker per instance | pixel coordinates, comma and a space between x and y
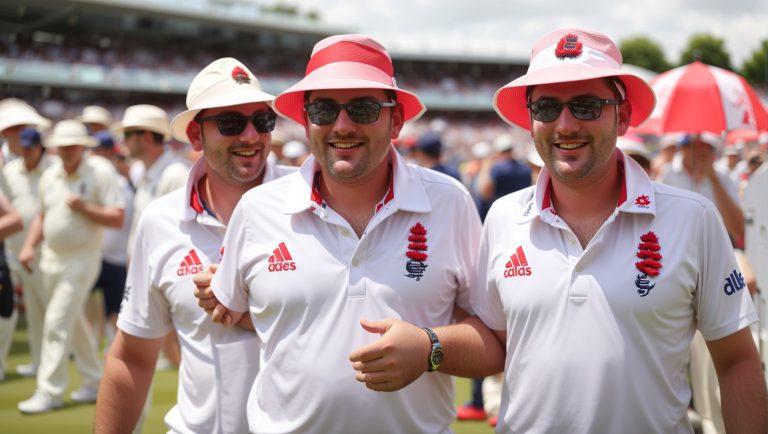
237, 160
351, 152
579, 151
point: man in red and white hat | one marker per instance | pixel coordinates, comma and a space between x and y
595, 279
356, 234
230, 120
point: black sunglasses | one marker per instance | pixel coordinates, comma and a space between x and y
583, 109
232, 124
361, 111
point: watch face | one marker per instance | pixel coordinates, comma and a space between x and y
437, 356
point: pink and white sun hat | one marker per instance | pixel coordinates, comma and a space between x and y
224, 82
346, 62
567, 55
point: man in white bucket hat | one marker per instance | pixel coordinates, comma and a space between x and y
595, 278
96, 118
145, 129
230, 119
15, 116
355, 234
78, 198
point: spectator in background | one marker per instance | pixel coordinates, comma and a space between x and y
10, 223
294, 153
634, 147
114, 248
95, 118
145, 130
505, 176
427, 152
15, 115
22, 176
78, 198
667, 149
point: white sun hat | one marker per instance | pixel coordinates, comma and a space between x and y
95, 114
14, 111
69, 133
144, 117
225, 82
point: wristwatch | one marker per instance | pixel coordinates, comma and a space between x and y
436, 353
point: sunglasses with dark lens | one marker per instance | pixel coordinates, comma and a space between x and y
583, 109
232, 124
361, 111
128, 134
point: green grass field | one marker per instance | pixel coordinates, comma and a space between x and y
78, 418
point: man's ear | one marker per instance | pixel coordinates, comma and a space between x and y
195, 135
398, 116
623, 117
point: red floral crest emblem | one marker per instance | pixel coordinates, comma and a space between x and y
417, 247
568, 46
642, 200
650, 263
240, 76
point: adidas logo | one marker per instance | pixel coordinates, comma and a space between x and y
517, 264
281, 259
190, 265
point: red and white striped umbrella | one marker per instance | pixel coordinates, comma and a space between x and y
699, 97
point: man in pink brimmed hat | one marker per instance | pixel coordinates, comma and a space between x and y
595, 279
356, 234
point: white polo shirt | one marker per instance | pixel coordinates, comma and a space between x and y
22, 186
176, 238
308, 280
67, 232
594, 344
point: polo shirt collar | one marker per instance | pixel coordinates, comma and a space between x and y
406, 191
194, 204
636, 196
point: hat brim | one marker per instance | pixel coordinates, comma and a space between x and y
24, 119
342, 76
510, 101
120, 126
57, 142
236, 97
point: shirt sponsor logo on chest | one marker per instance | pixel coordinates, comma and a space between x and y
517, 266
281, 260
190, 265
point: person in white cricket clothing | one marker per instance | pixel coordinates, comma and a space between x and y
229, 119
356, 234
79, 196
596, 278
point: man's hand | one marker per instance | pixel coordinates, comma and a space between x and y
26, 258
395, 360
208, 301
75, 203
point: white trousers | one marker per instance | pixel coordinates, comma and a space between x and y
69, 280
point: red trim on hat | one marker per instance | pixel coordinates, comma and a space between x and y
347, 51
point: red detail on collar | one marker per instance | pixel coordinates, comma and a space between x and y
390, 192
347, 51
195, 202
316, 197
569, 46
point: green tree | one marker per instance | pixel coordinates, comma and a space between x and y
708, 49
641, 51
755, 68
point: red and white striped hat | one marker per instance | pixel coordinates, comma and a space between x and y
346, 62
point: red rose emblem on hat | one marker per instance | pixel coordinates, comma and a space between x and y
240, 76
